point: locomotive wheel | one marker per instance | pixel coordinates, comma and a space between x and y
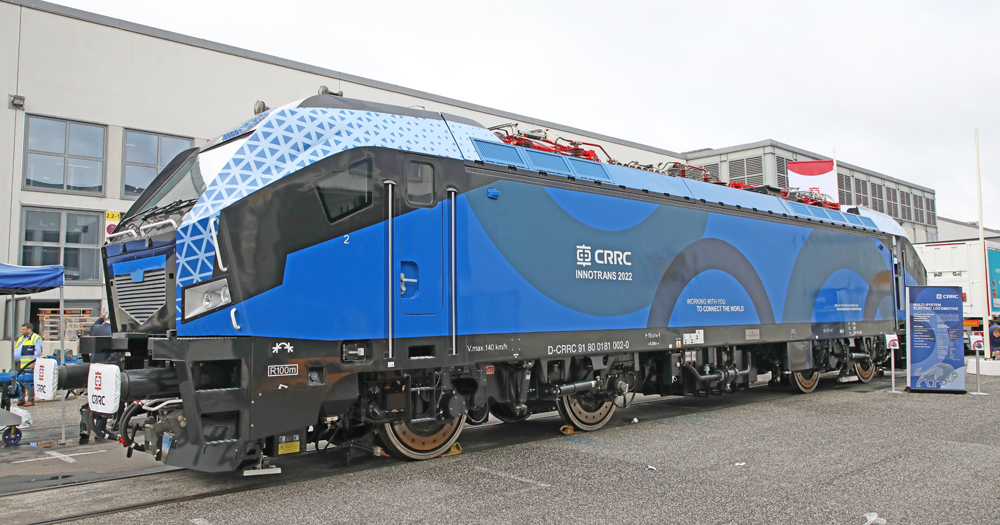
865, 373
585, 412
504, 414
805, 381
418, 441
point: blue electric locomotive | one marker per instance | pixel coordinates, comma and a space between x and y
337, 269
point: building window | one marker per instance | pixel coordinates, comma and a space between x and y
931, 212
906, 213
782, 169
918, 209
844, 189
69, 238
145, 155
861, 192
64, 156
877, 198
891, 202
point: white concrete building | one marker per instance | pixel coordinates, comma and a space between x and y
952, 230
764, 162
96, 105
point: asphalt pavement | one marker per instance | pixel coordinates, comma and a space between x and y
766, 456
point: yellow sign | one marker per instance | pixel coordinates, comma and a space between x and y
288, 448
112, 216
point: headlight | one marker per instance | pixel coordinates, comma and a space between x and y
205, 297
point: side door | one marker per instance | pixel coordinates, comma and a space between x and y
419, 250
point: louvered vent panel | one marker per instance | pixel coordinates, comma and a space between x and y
755, 166
713, 170
782, 165
755, 180
141, 300
737, 171
783, 181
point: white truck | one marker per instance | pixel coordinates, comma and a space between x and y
961, 263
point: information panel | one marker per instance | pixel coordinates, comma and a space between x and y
993, 259
935, 349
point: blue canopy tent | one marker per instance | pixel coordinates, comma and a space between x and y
24, 280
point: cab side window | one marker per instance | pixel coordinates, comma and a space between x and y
420, 183
347, 190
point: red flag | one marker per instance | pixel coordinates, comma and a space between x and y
814, 175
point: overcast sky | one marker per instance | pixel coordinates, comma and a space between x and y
896, 87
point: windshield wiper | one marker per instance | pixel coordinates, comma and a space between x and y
157, 211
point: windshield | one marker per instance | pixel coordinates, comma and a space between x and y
912, 263
185, 184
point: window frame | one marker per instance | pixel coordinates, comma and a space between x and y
62, 244
341, 169
158, 168
65, 156
437, 169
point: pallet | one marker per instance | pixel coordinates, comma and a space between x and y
76, 324
85, 312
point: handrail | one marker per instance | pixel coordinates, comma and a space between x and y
389, 186
215, 242
142, 229
110, 235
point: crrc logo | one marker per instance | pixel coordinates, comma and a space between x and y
946, 296
97, 380
585, 256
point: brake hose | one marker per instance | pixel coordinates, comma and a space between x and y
123, 436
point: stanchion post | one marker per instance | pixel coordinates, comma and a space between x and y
892, 366
986, 275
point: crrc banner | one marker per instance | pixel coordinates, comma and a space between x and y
935, 350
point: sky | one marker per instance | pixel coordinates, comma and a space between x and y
897, 87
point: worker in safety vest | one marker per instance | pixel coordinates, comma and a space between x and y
28, 347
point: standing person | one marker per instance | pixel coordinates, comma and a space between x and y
995, 341
28, 347
100, 328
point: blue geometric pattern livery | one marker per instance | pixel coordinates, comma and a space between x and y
464, 134
242, 128
291, 139
296, 137
195, 255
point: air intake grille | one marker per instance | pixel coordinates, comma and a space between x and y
141, 300
590, 170
547, 162
498, 153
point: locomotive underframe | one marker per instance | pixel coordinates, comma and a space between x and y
229, 412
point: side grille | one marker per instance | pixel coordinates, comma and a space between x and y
141, 300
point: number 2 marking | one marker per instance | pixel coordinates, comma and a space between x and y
346, 237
